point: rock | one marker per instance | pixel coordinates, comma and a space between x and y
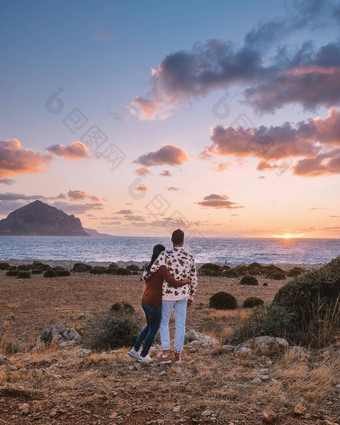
265, 345
264, 371
84, 351
179, 370
264, 361
300, 409
207, 412
3, 359
268, 417
176, 409
58, 334
162, 373
228, 348
243, 353
200, 339
24, 408
264, 377
53, 413
256, 381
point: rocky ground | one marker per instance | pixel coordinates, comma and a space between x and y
250, 384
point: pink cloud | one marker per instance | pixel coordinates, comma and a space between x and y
218, 201
167, 154
165, 173
14, 159
75, 151
77, 195
142, 171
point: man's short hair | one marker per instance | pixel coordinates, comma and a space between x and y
177, 237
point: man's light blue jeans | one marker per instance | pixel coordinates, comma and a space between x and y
180, 308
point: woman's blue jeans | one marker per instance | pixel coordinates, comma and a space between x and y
153, 319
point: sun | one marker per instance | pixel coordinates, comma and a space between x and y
287, 236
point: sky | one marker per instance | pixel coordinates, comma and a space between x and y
139, 117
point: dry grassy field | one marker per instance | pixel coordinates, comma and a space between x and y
209, 386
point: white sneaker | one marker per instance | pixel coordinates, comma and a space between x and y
134, 353
146, 359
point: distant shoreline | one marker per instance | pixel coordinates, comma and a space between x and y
68, 264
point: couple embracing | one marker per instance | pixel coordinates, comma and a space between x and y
171, 284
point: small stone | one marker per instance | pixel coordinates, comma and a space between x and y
162, 373
53, 413
300, 410
268, 417
264, 377
113, 415
131, 367
228, 348
256, 381
179, 370
207, 412
243, 353
265, 361
176, 409
24, 408
307, 416
264, 371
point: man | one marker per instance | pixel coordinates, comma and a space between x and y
181, 265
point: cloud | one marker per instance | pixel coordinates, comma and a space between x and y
172, 189
134, 218
190, 74
165, 173
111, 223
218, 201
167, 154
14, 159
220, 167
142, 171
8, 182
77, 195
21, 197
78, 208
123, 212
94, 198
141, 188
75, 151
313, 141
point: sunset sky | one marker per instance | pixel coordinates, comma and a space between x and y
219, 117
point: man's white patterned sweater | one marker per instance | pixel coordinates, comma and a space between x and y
181, 265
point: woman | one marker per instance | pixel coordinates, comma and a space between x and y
152, 306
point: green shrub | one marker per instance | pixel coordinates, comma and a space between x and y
50, 273
123, 306
249, 280
25, 267
276, 275
12, 273
295, 271
111, 330
113, 266
12, 348
231, 273
252, 302
23, 274
4, 266
223, 301
36, 271
209, 325
265, 284
132, 268
313, 299
263, 320
81, 268
122, 271
98, 270
241, 270
255, 269
210, 269
13, 268
62, 273
38, 265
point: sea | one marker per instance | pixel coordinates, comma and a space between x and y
139, 249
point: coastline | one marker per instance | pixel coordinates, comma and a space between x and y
68, 264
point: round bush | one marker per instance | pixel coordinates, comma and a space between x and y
276, 275
242, 270
252, 302
231, 273
36, 271
255, 269
223, 301
112, 330
25, 267
132, 268
13, 268
249, 280
23, 274
210, 269
123, 306
122, 271
98, 270
295, 271
12, 273
4, 266
265, 284
50, 273
63, 273
81, 268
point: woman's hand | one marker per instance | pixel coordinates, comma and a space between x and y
186, 281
